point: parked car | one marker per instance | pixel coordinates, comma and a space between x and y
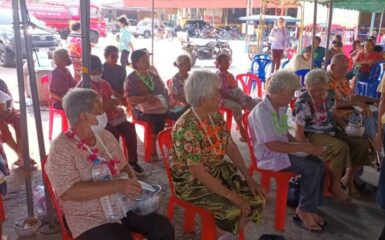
114, 27
41, 40
144, 27
193, 27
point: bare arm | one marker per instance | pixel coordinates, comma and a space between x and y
55, 96
236, 157
300, 134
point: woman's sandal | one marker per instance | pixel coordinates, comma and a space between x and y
299, 223
20, 162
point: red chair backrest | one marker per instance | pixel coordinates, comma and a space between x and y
67, 235
246, 80
245, 121
165, 141
45, 83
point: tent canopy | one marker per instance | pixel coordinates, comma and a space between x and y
360, 5
269, 18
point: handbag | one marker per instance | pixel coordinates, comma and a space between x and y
159, 107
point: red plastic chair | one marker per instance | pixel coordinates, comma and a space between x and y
52, 111
247, 80
290, 53
282, 178
208, 222
66, 233
148, 148
228, 114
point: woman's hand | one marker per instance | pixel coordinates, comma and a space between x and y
131, 188
242, 203
255, 187
313, 149
151, 99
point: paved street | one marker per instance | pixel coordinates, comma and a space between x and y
361, 220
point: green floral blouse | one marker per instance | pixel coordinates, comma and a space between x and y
192, 145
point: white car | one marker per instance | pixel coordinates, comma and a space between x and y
144, 27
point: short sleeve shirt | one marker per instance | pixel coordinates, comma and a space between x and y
177, 85
191, 143
227, 82
315, 120
341, 87
61, 81
68, 165
115, 76
134, 86
125, 38
265, 128
105, 90
373, 56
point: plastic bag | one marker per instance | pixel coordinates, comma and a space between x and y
39, 202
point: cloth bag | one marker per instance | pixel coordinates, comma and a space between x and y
159, 107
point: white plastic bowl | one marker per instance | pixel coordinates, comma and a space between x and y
25, 230
148, 202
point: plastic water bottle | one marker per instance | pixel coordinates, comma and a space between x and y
101, 173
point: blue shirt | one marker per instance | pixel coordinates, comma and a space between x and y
125, 38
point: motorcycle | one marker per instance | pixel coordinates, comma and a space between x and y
206, 52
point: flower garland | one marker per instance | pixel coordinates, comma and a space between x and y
93, 156
147, 80
281, 125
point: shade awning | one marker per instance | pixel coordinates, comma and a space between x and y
360, 5
269, 18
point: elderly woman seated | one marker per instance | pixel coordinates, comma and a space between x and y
277, 150
73, 160
232, 96
61, 79
199, 171
176, 88
316, 123
146, 94
301, 61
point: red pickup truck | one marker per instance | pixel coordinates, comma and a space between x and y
58, 16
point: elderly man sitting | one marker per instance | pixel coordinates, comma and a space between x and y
277, 150
61, 79
344, 94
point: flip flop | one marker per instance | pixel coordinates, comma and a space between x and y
298, 222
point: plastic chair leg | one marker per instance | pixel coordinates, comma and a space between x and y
241, 235
64, 123
265, 182
50, 125
189, 220
280, 204
209, 231
170, 209
147, 143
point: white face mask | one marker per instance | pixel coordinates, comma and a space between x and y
96, 78
102, 123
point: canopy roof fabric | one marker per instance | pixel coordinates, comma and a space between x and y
269, 18
360, 5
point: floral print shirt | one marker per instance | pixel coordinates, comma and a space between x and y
341, 87
177, 86
192, 145
312, 119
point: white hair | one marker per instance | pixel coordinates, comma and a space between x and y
283, 80
316, 76
182, 58
59, 54
77, 101
199, 85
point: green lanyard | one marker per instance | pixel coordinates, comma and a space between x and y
147, 80
280, 125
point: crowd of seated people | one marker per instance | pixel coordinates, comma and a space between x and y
200, 140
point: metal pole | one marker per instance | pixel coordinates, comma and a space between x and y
300, 34
372, 23
23, 109
380, 25
152, 30
86, 46
314, 32
249, 10
261, 26
36, 108
328, 32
